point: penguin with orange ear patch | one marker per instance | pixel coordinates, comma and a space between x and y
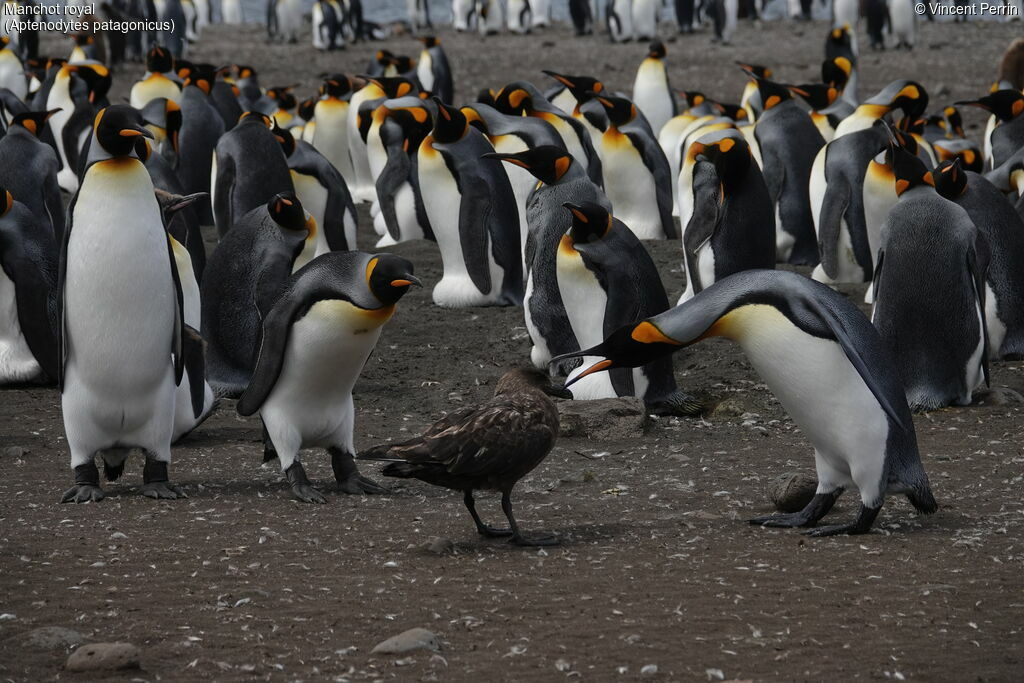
29, 167
929, 290
805, 341
1007, 106
201, 128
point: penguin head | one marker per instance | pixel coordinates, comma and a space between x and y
840, 38
907, 168
163, 118
772, 93
950, 179
96, 77
245, 71
255, 118
117, 130
394, 87
285, 138
656, 50
283, 96
429, 41
836, 72
389, 277
6, 201
307, 108
82, 39
620, 111
487, 96
403, 64
450, 124
159, 60
694, 98
968, 154
727, 151
171, 203
736, 112
756, 70
33, 121
383, 58
547, 163
201, 76
285, 210
1005, 104
336, 85
954, 121
590, 222
630, 346
474, 119
513, 101
582, 88
818, 95
908, 96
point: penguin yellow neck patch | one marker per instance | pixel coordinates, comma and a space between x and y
648, 333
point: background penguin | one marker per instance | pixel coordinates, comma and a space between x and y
28, 281
804, 340
201, 128
315, 340
520, 16
471, 208
331, 135
636, 172
681, 163
788, 142
828, 108
645, 19
398, 191
732, 226
419, 14
224, 97
75, 89
322, 192
561, 179
29, 167
249, 167
724, 15
12, 71
463, 14
584, 107
155, 82
652, 93
489, 17
541, 13
433, 71
582, 19
619, 19
1007, 136
929, 291
1003, 230
876, 19
244, 276
606, 279
326, 25
118, 381
360, 112
842, 42
903, 23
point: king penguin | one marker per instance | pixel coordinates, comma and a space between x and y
156, 82
652, 93
471, 207
201, 128
398, 190
929, 290
118, 381
804, 340
29, 167
1007, 135
433, 70
619, 20
315, 341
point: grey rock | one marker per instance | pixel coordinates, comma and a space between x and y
48, 638
606, 418
791, 491
408, 641
649, 670
104, 657
439, 546
14, 452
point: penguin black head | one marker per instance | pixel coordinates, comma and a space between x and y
118, 128
907, 168
245, 71
756, 70
383, 58
159, 60
950, 179
307, 108
547, 163
82, 39
736, 112
488, 97
836, 72
416, 123
395, 87
656, 50
908, 96
627, 347
171, 203
583, 88
772, 93
839, 38
429, 41
336, 85
403, 64
954, 120
450, 124
389, 277
513, 100
96, 77
1005, 104
283, 96
620, 110
201, 76
284, 208
693, 98
255, 118
590, 222
730, 155
33, 121
818, 95
6, 201
968, 155
285, 138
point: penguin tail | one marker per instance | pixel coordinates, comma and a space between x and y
922, 499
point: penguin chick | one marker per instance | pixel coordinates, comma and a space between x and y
316, 339
804, 340
490, 447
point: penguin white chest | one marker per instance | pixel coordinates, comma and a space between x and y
651, 93
331, 135
584, 301
816, 384
313, 197
425, 71
17, 364
630, 186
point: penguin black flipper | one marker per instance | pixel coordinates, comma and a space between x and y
195, 367
178, 340
706, 202
62, 342
397, 170
33, 300
222, 194
663, 192
80, 120
54, 203
476, 209
977, 267
833, 208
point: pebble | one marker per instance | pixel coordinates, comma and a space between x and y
649, 670
49, 638
408, 641
791, 491
440, 546
104, 657
14, 452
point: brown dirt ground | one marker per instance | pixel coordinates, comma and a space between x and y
240, 582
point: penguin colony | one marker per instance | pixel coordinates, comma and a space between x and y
536, 198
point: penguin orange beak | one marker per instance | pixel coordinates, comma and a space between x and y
596, 367
136, 132
510, 158
406, 281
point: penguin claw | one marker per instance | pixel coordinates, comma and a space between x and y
786, 521
162, 490
535, 541
852, 529
83, 493
359, 484
307, 494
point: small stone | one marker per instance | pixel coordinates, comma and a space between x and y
49, 638
408, 641
792, 491
118, 536
440, 546
563, 665
14, 452
104, 657
605, 418
649, 670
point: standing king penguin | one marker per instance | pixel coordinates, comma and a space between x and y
29, 167
804, 340
118, 381
652, 93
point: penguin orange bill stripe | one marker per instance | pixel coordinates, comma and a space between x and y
596, 367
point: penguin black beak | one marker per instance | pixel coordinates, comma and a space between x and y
510, 158
599, 366
185, 201
136, 132
973, 103
406, 280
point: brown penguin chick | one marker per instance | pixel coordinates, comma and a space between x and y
490, 446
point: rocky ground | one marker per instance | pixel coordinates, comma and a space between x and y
658, 574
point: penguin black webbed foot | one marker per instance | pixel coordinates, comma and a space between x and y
347, 475
783, 521
817, 508
83, 493
533, 542
493, 532
162, 490
358, 484
861, 525
302, 488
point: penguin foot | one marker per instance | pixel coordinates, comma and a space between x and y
302, 488
347, 475
783, 521
83, 493
535, 541
162, 490
861, 525
492, 532
679, 404
358, 484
